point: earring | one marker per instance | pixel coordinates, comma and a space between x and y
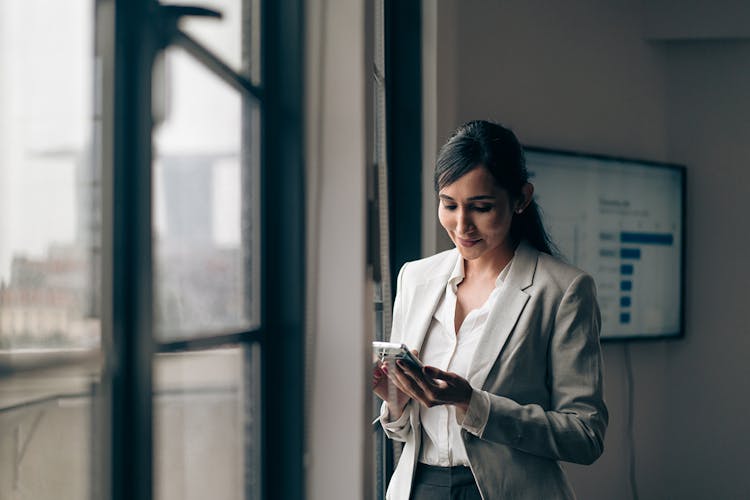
519, 211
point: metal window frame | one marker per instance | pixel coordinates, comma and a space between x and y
401, 26
403, 62
127, 317
283, 238
128, 48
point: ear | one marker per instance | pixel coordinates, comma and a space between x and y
527, 194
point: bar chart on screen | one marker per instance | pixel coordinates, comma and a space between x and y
620, 221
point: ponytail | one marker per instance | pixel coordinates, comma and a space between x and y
528, 226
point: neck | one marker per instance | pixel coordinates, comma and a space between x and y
489, 265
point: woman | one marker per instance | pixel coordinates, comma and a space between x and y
509, 336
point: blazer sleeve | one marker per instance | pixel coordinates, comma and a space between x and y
573, 428
397, 430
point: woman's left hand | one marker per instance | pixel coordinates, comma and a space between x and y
432, 386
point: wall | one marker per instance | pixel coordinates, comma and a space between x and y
339, 326
623, 78
709, 129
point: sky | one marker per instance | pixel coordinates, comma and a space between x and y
45, 89
46, 120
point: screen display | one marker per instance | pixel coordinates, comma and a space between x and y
622, 222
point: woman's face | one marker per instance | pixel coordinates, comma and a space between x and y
477, 213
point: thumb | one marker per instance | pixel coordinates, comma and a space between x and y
437, 373
434, 372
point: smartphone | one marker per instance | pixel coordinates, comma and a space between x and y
384, 351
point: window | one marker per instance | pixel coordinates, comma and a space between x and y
398, 120
50, 233
205, 239
148, 275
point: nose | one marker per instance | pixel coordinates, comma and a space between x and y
464, 224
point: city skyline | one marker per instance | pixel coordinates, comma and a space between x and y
50, 179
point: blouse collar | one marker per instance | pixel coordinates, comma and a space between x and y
457, 274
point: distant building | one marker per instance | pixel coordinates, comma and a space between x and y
199, 286
188, 198
46, 301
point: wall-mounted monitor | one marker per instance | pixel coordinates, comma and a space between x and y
623, 222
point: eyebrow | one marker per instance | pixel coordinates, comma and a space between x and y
481, 197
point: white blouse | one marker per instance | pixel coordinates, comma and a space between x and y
441, 430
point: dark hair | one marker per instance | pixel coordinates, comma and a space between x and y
487, 144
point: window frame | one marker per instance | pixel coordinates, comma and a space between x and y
128, 37
140, 30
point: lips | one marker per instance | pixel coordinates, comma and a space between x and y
467, 243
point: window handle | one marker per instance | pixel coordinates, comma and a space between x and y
168, 17
166, 25
175, 12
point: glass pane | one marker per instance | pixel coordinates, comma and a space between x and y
46, 435
49, 207
201, 217
201, 425
235, 38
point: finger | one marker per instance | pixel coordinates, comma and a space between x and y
425, 385
407, 390
408, 374
425, 390
407, 384
411, 370
409, 387
435, 372
401, 378
449, 387
417, 376
438, 374
442, 383
394, 375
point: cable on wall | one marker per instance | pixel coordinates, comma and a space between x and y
629, 423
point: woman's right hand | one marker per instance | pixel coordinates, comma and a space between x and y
387, 390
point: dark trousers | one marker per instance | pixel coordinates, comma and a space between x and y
444, 483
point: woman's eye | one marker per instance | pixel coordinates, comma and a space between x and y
449, 207
483, 208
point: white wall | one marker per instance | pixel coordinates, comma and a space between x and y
340, 319
709, 130
623, 78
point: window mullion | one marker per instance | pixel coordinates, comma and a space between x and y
127, 262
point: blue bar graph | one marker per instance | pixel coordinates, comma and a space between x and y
625, 301
624, 318
626, 269
626, 285
647, 238
630, 253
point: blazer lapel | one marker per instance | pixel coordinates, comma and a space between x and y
424, 302
508, 307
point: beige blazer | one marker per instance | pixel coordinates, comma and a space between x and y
538, 359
